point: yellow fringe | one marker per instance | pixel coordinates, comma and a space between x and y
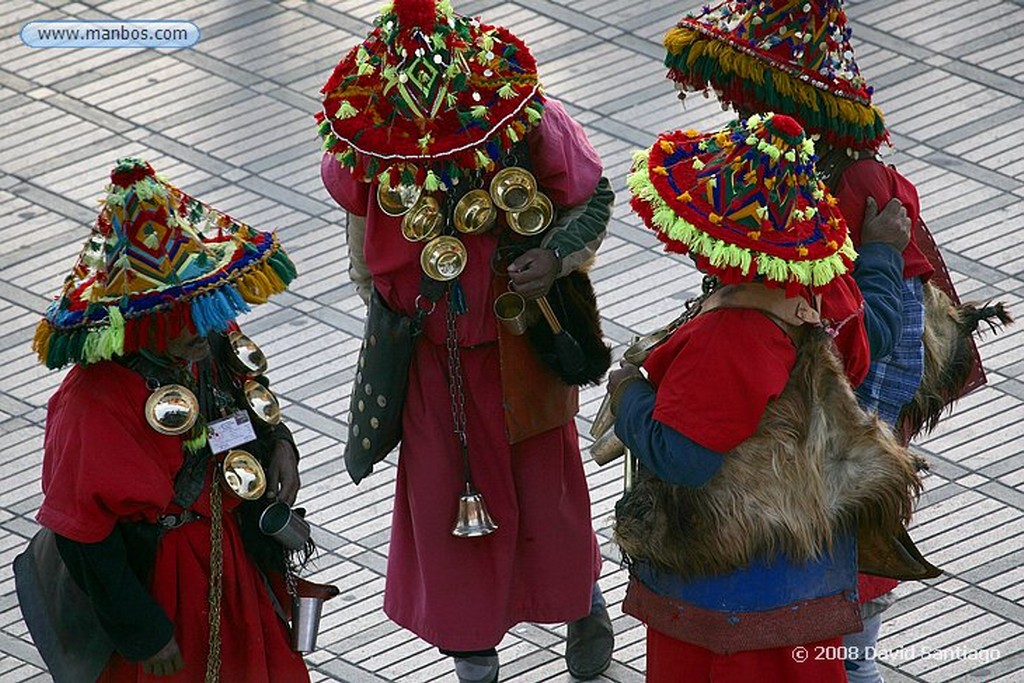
752, 69
41, 340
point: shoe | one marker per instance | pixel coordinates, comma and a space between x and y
589, 644
477, 669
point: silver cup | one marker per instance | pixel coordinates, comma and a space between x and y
285, 525
305, 622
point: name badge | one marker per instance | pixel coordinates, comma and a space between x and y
233, 430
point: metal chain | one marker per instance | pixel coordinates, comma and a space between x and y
291, 583
455, 384
216, 580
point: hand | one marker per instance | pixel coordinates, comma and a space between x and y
533, 273
891, 227
623, 373
166, 662
283, 473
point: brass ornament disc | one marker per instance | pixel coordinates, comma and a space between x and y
424, 220
396, 201
474, 213
262, 402
513, 188
535, 218
243, 475
443, 258
172, 409
246, 357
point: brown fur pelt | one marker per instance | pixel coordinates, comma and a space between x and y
949, 355
817, 465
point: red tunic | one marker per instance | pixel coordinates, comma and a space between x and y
871, 178
714, 378
710, 388
104, 464
465, 593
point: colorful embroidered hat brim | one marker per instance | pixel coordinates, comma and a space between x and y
158, 263
745, 202
788, 56
429, 96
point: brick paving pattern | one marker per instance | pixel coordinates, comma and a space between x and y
231, 121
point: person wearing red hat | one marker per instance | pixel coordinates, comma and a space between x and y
796, 57
756, 462
163, 446
450, 163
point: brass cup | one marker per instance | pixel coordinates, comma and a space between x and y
510, 310
474, 213
513, 188
443, 258
172, 409
262, 402
243, 475
397, 201
535, 218
423, 222
246, 357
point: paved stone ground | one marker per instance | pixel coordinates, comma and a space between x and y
231, 121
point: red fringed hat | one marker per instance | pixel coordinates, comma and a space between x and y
789, 56
746, 202
428, 96
158, 262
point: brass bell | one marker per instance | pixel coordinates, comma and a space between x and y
423, 222
261, 402
473, 519
443, 258
246, 357
172, 409
535, 218
396, 201
513, 188
243, 475
474, 213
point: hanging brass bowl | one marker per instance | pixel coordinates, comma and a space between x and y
423, 222
535, 218
262, 402
475, 213
443, 258
243, 475
172, 409
397, 201
513, 188
246, 357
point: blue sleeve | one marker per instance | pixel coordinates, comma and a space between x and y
878, 272
672, 457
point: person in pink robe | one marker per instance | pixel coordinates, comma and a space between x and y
542, 563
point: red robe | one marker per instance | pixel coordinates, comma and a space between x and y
540, 565
104, 464
871, 178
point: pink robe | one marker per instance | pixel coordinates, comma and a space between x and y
539, 566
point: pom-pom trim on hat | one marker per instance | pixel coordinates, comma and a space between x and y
701, 55
734, 253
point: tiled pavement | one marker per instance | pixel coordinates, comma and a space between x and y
230, 121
